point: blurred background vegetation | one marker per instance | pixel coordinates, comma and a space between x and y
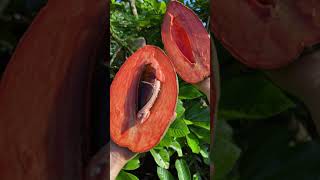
262, 133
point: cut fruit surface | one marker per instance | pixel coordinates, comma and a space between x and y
186, 42
143, 97
266, 34
45, 92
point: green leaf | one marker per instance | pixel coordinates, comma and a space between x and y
180, 109
196, 176
251, 96
272, 157
224, 153
193, 143
165, 141
202, 124
198, 114
224, 156
204, 151
178, 129
164, 174
201, 133
182, 169
162, 7
223, 129
126, 176
161, 157
132, 164
188, 91
176, 146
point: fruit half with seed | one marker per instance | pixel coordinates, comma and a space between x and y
186, 42
143, 97
266, 34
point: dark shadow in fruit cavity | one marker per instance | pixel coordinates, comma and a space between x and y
144, 92
182, 40
145, 88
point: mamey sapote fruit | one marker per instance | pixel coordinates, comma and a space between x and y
44, 93
143, 97
186, 42
266, 34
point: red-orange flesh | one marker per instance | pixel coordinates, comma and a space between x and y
186, 42
44, 93
266, 34
148, 64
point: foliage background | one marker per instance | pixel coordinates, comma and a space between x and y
183, 152
262, 133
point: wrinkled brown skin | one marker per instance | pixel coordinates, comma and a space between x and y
44, 93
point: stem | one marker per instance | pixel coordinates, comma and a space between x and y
114, 56
133, 8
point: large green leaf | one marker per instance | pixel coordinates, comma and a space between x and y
201, 133
164, 174
126, 176
193, 143
251, 96
165, 141
178, 128
224, 156
269, 156
180, 109
176, 146
188, 91
198, 113
196, 176
161, 157
182, 169
132, 164
224, 153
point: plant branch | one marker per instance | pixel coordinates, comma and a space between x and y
120, 41
133, 8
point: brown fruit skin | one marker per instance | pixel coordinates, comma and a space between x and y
44, 93
186, 40
125, 128
267, 35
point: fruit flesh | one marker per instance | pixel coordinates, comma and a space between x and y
186, 42
266, 34
126, 129
181, 38
44, 95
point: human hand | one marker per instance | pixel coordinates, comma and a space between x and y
204, 86
108, 162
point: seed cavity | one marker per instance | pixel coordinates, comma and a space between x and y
181, 38
148, 90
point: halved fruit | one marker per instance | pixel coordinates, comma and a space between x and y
266, 34
186, 42
143, 97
